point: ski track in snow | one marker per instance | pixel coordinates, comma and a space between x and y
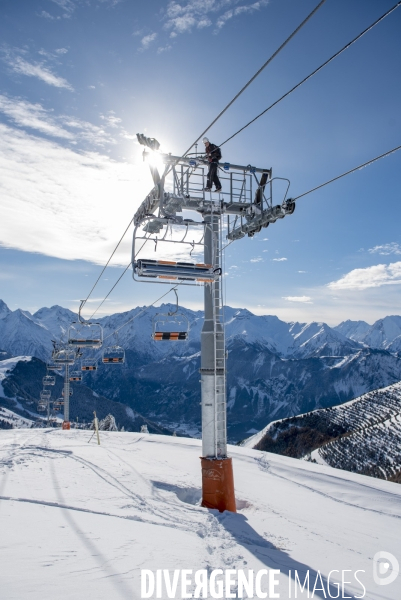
94, 516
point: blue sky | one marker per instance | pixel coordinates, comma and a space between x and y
79, 78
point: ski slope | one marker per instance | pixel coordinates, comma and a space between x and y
80, 521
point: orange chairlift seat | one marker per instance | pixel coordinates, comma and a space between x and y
172, 326
89, 364
114, 354
75, 376
164, 269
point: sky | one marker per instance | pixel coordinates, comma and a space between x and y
79, 78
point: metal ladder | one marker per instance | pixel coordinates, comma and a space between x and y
219, 358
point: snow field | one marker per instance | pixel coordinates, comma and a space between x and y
80, 521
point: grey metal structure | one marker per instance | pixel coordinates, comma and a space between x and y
246, 202
65, 356
66, 391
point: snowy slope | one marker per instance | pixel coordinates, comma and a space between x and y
80, 521
13, 420
7, 366
362, 435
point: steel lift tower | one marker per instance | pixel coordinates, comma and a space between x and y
246, 201
65, 356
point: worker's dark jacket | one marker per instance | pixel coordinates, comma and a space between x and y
211, 151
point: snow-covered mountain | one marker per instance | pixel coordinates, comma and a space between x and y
80, 520
275, 369
384, 333
20, 385
23, 333
354, 330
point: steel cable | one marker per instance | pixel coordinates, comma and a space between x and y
221, 113
369, 162
314, 72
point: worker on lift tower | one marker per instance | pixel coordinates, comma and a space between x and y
213, 154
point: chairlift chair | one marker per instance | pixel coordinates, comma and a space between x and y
45, 395
113, 355
42, 406
75, 376
176, 271
57, 403
89, 364
85, 334
54, 367
49, 380
64, 356
172, 326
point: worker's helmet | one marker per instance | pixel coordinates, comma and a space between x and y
205, 140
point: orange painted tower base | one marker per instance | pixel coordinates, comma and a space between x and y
66, 425
218, 484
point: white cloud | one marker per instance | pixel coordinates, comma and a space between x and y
256, 260
386, 249
111, 119
67, 6
25, 114
46, 15
239, 10
183, 17
23, 67
279, 259
147, 40
63, 203
302, 271
162, 49
304, 299
34, 116
371, 277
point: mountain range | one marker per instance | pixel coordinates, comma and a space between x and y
274, 369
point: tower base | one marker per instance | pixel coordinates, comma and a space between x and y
66, 425
218, 484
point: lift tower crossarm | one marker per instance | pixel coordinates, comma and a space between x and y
152, 200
